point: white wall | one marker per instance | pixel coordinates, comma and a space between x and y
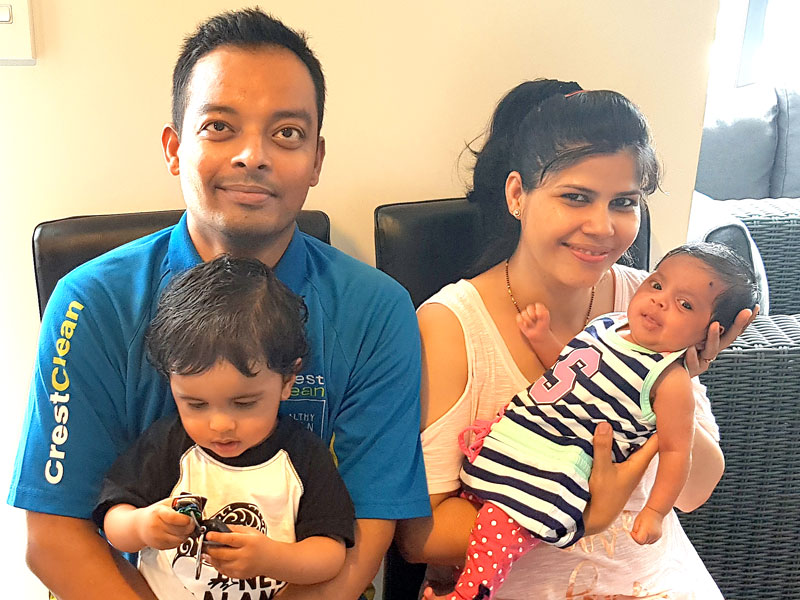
407, 86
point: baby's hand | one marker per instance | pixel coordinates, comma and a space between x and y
534, 322
647, 526
161, 527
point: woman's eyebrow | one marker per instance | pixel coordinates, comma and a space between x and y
578, 188
586, 190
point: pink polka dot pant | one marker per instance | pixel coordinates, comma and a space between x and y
495, 543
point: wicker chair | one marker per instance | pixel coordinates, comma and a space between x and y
774, 224
747, 532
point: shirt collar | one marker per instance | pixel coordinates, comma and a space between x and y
291, 268
182, 253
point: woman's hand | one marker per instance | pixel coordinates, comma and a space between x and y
611, 484
698, 361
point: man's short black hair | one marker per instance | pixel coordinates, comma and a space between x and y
232, 309
736, 275
247, 28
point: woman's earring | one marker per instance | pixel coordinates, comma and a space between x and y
516, 213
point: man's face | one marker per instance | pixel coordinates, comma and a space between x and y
249, 148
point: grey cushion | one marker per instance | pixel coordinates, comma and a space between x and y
785, 181
739, 143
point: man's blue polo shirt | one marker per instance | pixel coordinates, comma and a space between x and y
94, 391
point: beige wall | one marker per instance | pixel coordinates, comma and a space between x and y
407, 86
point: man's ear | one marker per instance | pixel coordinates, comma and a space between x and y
320, 156
170, 142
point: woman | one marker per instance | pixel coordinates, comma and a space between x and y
575, 167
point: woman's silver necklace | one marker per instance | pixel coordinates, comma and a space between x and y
514, 300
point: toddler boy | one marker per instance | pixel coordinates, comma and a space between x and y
229, 336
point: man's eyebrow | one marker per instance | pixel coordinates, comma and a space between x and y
215, 108
301, 114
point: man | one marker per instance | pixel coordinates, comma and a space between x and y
248, 101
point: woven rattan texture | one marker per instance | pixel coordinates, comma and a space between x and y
748, 532
774, 224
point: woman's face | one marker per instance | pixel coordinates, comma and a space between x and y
580, 220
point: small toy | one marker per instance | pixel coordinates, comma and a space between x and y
193, 505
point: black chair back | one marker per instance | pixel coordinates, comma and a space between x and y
426, 245
61, 245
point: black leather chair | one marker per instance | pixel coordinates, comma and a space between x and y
61, 245
426, 245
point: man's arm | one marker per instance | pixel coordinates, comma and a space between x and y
74, 562
74, 432
362, 561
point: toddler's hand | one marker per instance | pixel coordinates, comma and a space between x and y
244, 552
647, 526
534, 322
161, 527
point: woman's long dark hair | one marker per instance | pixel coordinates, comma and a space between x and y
541, 127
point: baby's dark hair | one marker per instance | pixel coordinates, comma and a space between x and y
741, 288
232, 309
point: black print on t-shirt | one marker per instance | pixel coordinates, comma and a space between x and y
236, 513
